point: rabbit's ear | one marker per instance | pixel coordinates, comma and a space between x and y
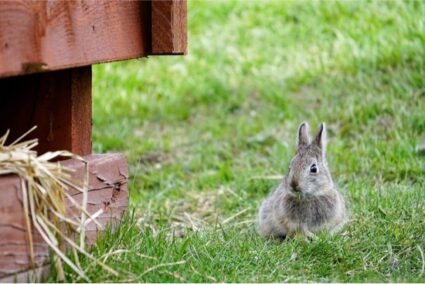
303, 136
320, 139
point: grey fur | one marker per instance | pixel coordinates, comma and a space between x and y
303, 137
304, 202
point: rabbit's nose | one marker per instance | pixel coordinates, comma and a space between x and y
295, 185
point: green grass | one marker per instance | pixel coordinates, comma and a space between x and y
203, 133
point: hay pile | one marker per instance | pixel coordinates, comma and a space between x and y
45, 186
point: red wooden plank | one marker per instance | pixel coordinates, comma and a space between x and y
169, 27
108, 175
58, 102
50, 35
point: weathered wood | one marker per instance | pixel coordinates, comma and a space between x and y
108, 176
49, 35
108, 191
14, 249
80, 102
58, 102
169, 27
28, 276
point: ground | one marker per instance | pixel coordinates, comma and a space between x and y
208, 135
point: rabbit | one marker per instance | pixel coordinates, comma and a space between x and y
306, 200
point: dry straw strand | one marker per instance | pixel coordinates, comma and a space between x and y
45, 187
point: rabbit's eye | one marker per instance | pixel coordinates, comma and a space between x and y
313, 169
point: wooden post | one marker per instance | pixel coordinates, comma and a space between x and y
58, 102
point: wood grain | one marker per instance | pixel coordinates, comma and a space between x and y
80, 102
28, 276
108, 188
58, 102
108, 191
45, 35
169, 27
14, 250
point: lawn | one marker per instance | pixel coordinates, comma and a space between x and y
208, 135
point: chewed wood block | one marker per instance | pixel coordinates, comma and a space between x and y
14, 249
108, 176
26, 276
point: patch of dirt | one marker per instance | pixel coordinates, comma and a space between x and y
385, 121
195, 212
151, 158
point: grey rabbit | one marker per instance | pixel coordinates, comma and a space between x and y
306, 200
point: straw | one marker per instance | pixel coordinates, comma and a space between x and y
45, 186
